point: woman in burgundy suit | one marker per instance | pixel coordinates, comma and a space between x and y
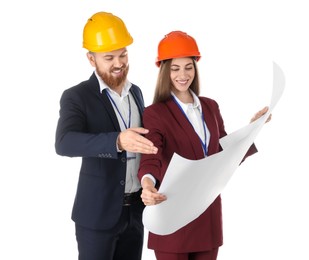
182, 122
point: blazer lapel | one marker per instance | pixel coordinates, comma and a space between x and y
111, 112
211, 121
95, 87
138, 100
184, 123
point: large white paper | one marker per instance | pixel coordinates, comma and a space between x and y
192, 185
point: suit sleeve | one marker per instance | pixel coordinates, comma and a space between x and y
72, 136
152, 163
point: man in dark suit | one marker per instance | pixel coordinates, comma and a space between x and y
100, 121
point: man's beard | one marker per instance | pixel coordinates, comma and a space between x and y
111, 81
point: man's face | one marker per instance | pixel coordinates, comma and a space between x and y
112, 66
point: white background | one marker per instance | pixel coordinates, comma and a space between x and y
265, 205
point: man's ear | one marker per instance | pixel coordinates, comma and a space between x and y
91, 58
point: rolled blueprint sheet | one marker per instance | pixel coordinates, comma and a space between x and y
189, 195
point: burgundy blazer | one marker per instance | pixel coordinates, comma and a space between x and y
172, 133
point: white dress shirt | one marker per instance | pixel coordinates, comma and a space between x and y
123, 104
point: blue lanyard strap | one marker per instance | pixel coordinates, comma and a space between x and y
111, 99
204, 144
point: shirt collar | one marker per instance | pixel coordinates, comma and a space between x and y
185, 106
125, 90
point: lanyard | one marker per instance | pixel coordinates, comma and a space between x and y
111, 99
204, 144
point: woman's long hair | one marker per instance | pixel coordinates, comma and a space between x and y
164, 83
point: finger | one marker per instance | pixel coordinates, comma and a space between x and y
264, 111
259, 114
151, 202
144, 149
139, 130
143, 145
269, 118
143, 140
154, 201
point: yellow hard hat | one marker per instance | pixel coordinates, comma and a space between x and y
105, 32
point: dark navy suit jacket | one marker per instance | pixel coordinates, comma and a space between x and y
88, 128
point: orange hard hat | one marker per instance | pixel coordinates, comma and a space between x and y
105, 32
177, 44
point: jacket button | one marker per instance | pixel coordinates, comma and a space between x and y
122, 182
123, 160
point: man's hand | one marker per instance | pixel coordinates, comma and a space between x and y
131, 140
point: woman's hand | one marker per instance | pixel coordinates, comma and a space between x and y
150, 195
259, 114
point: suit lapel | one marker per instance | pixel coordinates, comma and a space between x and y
209, 117
95, 87
186, 126
138, 100
111, 112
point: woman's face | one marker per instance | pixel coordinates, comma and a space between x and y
182, 74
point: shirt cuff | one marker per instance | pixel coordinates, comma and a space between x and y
150, 177
118, 150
